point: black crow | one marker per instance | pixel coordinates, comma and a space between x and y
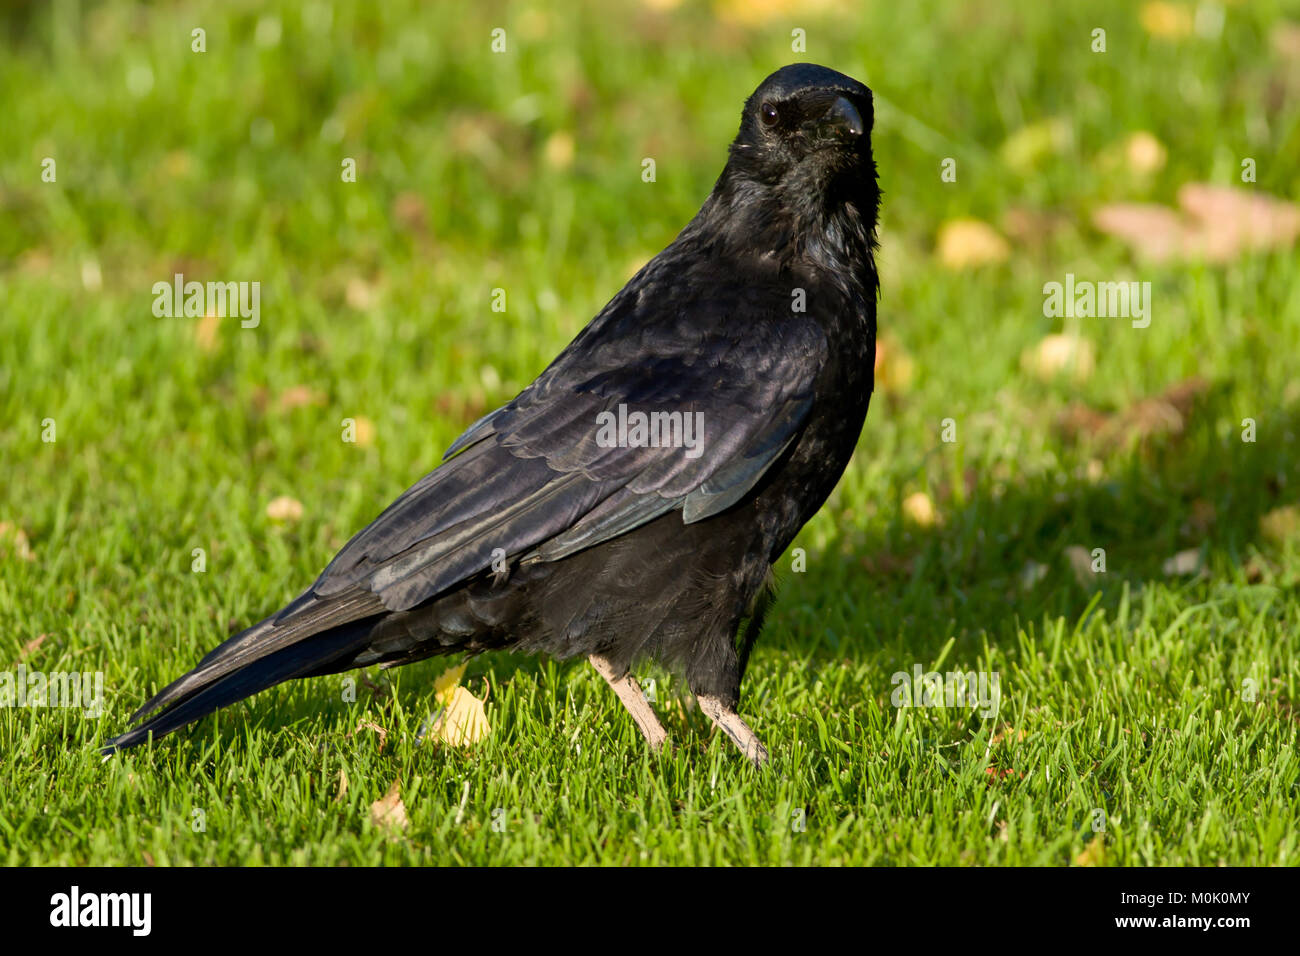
630, 502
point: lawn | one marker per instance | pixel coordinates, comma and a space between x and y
166, 481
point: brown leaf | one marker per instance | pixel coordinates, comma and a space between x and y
371, 725
31, 646
299, 396
1216, 224
410, 213
389, 811
969, 243
1163, 415
343, 786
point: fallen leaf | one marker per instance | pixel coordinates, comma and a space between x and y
359, 294
894, 367
1144, 153
299, 396
1094, 854
389, 811
1030, 226
284, 509
1080, 559
1031, 574
1286, 40
364, 431
558, 151
446, 682
1214, 223
13, 540
460, 719
461, 722
343, 786
968, 243
1183, 563
32, 645
205, 331
91, 277
1169, 21
1281, 524
758, 12
371, 725
410, 213
1163, 415
1060, 353
919, 509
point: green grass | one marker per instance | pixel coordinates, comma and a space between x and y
1123, 692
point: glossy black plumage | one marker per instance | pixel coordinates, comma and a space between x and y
622, 553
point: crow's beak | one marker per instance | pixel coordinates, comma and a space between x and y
842, 120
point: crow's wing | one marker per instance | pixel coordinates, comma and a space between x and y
532, 481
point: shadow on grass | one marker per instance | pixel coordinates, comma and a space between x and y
1147, 486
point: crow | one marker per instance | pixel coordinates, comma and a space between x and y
629, 504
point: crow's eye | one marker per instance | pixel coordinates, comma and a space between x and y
769, 114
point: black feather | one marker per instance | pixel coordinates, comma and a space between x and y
760, 317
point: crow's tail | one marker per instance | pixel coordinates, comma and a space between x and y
266, 654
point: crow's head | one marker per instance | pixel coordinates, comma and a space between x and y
805, 127
800, 176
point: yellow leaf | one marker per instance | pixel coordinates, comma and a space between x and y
558, 151
365, 431
1060, 353
1144, 153
894, 366
1094, 854
918, 508
462, 721
1281, 524
965, 243
284, 508
1167, 20
444, 685
205, 332
13, 539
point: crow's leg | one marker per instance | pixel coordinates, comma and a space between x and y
629, 692
731, 724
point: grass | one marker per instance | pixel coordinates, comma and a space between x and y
1121, 692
